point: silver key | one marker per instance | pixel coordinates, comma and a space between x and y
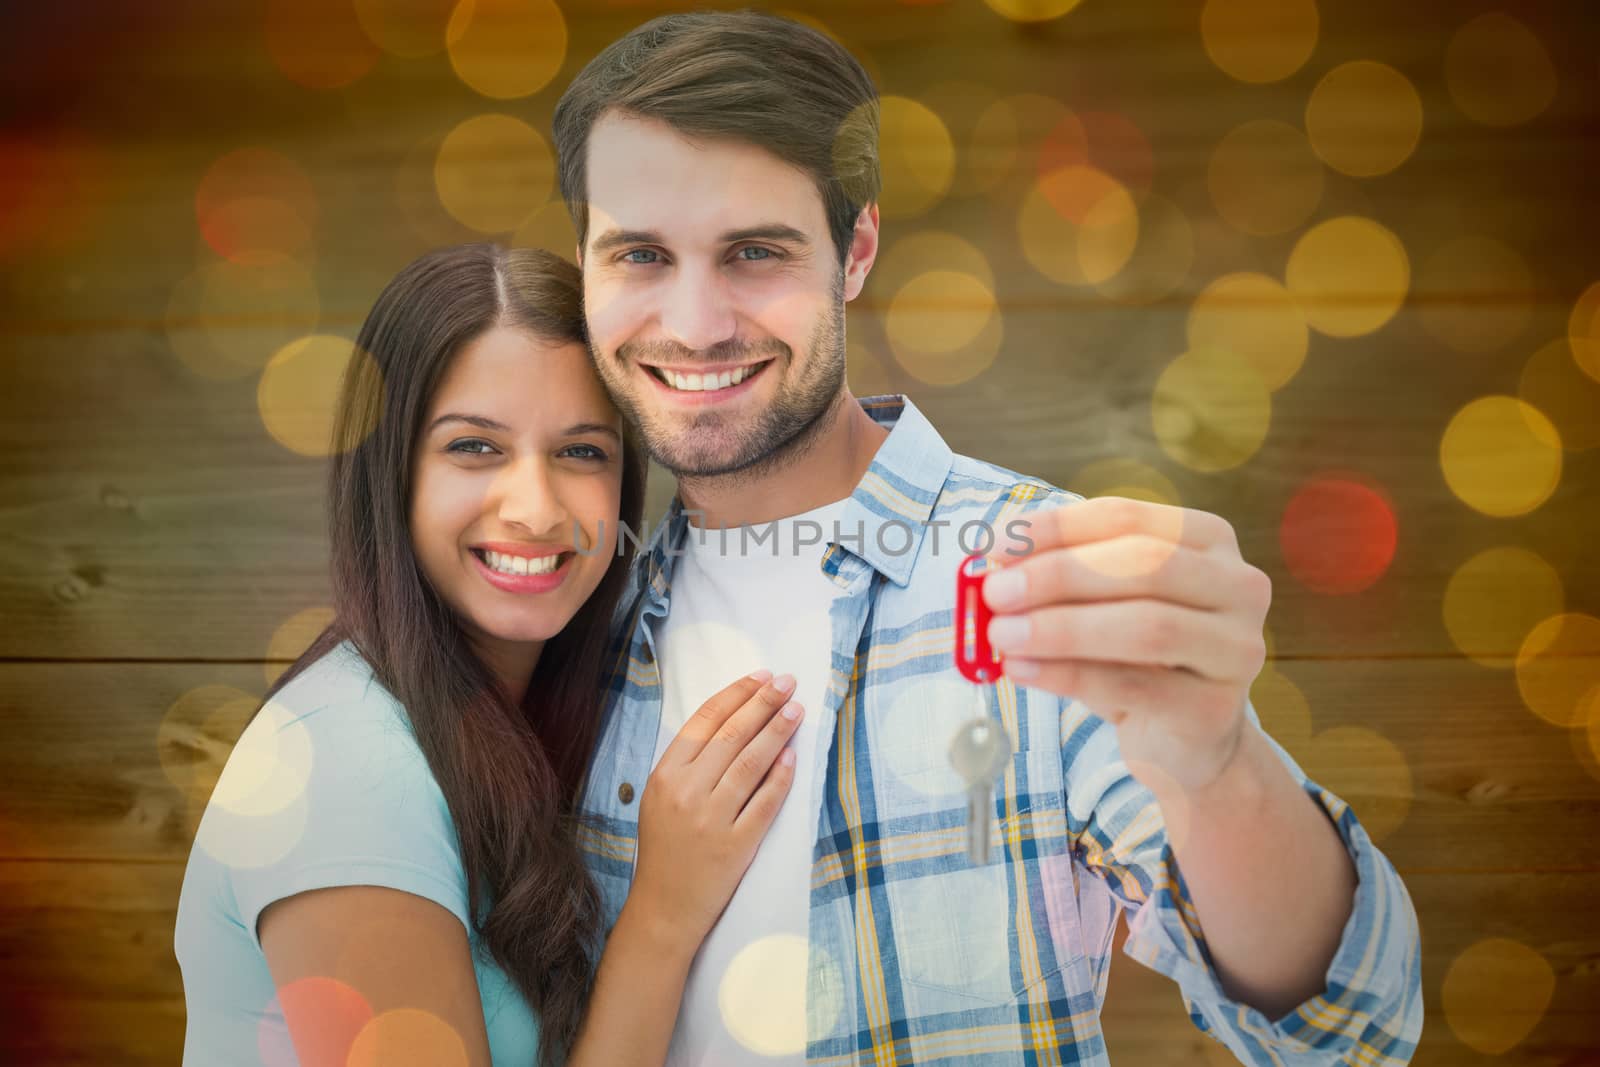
979, 753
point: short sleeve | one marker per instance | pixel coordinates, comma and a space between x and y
340, 795
1371, 1009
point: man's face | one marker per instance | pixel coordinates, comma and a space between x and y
711, 259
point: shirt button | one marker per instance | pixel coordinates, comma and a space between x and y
625, 793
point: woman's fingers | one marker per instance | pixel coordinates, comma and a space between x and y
710, 717
764, 803
728, 741
749, 766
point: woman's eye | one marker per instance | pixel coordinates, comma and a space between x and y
631, 256
462, 446
593, 452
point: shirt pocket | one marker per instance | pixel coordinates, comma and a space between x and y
966, 936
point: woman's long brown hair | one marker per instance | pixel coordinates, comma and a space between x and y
510, 775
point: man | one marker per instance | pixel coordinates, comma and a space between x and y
722, 171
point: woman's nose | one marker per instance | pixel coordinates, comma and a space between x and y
526, 496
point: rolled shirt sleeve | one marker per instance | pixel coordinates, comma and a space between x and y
1370, 1011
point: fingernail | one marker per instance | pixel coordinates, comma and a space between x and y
1004, 588
784, 683
1021, 668
762, 675
791, 710
1009, 632
786, 757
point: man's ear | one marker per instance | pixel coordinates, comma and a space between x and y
863, 251
579, 256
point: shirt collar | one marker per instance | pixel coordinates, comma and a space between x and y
890, 505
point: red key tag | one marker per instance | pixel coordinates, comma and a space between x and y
976, 661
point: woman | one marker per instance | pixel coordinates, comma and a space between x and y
427, 750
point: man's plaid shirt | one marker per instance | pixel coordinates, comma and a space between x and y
916, 956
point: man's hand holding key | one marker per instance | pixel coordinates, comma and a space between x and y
1149, 615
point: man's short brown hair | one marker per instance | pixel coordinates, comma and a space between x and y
741, 75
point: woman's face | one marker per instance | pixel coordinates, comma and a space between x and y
518, 465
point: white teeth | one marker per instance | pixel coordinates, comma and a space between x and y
507, 564
696, 383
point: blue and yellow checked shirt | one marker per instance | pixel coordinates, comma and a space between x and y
916, 956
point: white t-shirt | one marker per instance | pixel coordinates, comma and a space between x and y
744, 598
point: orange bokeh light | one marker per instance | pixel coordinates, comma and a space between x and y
1338, 534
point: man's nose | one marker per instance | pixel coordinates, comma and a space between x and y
698, 312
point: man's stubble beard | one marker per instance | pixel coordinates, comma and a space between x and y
776, 438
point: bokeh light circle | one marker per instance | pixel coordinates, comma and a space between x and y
197, 733
1104, 140
270, 766
329, 1015
916, 155
1367, 771
1161, 257
1350, 275
1364, 118
1210, 409
1126, 478
317, 44
1338, 535
1496, 598
1284, 712
1078, 226
1494, 994
293, 637
506, 49
494, 171
1475, 294
1264, 178
916, 252
1557, 665
1498, 72
298, 393
1259, 40
1500, 456
1583, 330
1255, 317
760, 991
1032, 10
1553, 384
934, 323
254, 203
407, 1037
410, 29
227, 319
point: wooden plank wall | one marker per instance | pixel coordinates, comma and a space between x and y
155, 539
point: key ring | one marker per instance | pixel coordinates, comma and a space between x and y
980, 663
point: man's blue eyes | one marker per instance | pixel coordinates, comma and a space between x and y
760, 254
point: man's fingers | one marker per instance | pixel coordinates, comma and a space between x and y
1105, 517
1139, 632
1116, 690
1137, 565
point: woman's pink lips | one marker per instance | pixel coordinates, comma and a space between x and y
703, 397
524, 583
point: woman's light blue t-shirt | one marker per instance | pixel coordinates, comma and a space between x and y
326, 787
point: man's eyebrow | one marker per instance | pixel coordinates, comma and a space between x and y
483, 423
612, 239
771, 231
